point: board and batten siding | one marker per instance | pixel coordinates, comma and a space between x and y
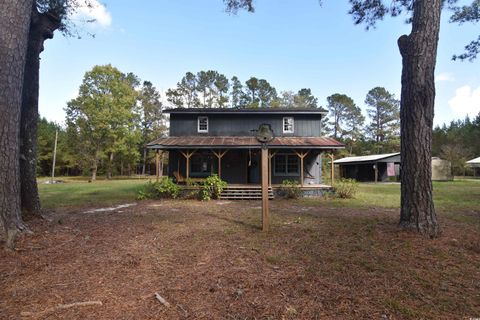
244, 124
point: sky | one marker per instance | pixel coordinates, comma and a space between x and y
292, 44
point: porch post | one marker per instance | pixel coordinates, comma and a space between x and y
157, 164
301, 155
270, 156
187, 155
301, 171
219, 156
160, 167
265, 219
376, 172
332, 169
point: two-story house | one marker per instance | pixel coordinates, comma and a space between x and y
222, 141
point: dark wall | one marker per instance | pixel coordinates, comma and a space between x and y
243, 124
236, 169
312, 171
365, 172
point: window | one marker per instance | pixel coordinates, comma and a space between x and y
288, 125
202, 124
286, 165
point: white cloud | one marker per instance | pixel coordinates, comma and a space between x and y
444, 77
96, 11
465, 102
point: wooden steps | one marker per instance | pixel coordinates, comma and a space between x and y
244, 193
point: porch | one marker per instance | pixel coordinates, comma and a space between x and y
254, 191
237, 160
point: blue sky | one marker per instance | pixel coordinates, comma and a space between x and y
292, 44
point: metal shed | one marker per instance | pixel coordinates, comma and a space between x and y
386, 167
474, 163
376, 167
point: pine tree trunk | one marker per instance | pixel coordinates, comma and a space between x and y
419, 52
42, 27
14, 26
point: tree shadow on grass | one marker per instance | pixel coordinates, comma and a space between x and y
242, 223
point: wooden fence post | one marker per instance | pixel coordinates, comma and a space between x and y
265, 218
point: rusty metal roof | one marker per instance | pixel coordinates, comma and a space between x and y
369, 158
189, 142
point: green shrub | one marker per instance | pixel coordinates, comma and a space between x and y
346, 188
212, 188
189, 182
290, 189
165, 188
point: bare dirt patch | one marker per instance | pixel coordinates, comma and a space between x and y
211, 261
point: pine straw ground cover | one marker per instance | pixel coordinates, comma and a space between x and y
210, 261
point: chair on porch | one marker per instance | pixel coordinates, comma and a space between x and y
181, 179
178, 177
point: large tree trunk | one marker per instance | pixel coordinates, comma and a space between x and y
94, 170
42, 27
14, 26
419, 52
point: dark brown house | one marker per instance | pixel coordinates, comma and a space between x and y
203, 142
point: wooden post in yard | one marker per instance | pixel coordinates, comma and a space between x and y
332, 170
265, 218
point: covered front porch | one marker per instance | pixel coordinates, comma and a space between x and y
237, 160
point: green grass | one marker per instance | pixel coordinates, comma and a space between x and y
448, 196
81, 193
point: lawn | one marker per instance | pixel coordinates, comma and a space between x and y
79, 192
448, 196
323, 259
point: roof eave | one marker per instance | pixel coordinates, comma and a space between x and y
245, 111
242, 147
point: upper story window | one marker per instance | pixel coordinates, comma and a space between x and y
288, 125
202, 124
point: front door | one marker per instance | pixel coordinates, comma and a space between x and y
253, 165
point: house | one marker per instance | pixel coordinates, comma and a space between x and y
386, 167
474, 163
210, 141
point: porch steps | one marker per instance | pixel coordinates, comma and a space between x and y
244, 193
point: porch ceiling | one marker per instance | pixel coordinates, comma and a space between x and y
243, 142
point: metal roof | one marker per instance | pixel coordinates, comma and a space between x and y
247, 110
242, 142
370, 158
474, 161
